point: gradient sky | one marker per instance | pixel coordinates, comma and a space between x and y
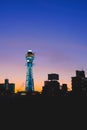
56, 30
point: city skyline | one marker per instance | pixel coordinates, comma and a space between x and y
55, 31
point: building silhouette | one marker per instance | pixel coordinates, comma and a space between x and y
7, 88
51, 86
64, 89
79, 83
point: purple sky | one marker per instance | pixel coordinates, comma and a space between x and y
55, 30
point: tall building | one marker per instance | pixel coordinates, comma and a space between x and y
51, 86
29, 73
7, 87
79, 83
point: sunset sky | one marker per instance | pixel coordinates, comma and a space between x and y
55, 30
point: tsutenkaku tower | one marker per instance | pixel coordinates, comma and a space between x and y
29, 73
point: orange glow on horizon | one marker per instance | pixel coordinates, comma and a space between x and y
38, 87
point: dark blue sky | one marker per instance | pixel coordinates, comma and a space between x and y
56, 30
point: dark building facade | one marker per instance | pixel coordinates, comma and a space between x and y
64, 89
51, 86
79, 83
7, 87
53, 76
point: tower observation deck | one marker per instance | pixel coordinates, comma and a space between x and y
29, 71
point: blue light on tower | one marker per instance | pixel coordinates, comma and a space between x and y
29, 73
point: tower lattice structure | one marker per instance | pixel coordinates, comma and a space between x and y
29, 71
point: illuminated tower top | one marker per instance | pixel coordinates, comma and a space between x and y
30, 53
30, 56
